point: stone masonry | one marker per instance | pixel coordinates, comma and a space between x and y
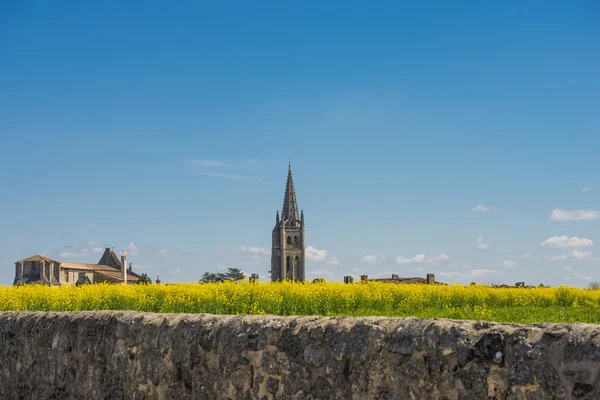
130, 355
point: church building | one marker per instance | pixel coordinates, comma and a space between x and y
43, 270
288, 248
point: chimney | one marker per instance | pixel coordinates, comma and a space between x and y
364, 277
130, 267
395, 277
124, 266
348, 279
430, 279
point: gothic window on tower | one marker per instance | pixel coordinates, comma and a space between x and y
289, 240
296, 268
295, 239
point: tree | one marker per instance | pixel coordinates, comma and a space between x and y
210, 277
144, 279
235, 274
318, 280
232, 274
594, 285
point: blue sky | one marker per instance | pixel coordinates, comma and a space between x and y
167, 130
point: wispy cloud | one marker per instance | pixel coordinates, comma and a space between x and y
97, 250
212, 163
509, 264
255, 250
580, 255
70, 254
576, 254
163, 251
481, 244
559, 214
321, 272
133, 249
472, 273
242, 178
333, 261
373, 259
419, 258
480, 207
563, 242
315, 254
587, 189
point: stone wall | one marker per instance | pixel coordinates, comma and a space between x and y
128, 355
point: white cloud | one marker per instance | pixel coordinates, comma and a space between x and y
557, 258
94, 244
416, 259
373, 259
580, 255
480, 207
574, 215
419, 258
481, 244
69, 254
211, 163
587, 189
509, 264
472, 273
440, 257
97, 250
568, 269
481, 272
563, 242
450, 273
163, 251
575, 275
527, 256
321, 272
242, 178
574, 255
416, 270
132, 249
315, 254
333, 261
255, 250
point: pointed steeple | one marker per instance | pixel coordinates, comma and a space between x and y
290, 206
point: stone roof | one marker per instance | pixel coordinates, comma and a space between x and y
290, 205
38, 258
110, 258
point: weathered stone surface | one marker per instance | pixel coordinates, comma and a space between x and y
127, 355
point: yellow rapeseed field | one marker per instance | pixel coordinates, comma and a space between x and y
560, 304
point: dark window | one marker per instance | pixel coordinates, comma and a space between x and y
289, 240
295, 239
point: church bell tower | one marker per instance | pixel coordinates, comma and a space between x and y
287, 252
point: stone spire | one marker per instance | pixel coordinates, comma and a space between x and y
290, 206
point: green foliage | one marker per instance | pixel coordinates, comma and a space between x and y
318, 280
594, 285
144, 280
232, 274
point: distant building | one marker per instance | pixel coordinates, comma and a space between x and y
288, 245
43, 270
429, 280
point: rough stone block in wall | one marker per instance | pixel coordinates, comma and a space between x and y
128, 355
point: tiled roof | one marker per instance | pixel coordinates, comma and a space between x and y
38, 258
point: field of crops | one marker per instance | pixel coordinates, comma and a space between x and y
560, 304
